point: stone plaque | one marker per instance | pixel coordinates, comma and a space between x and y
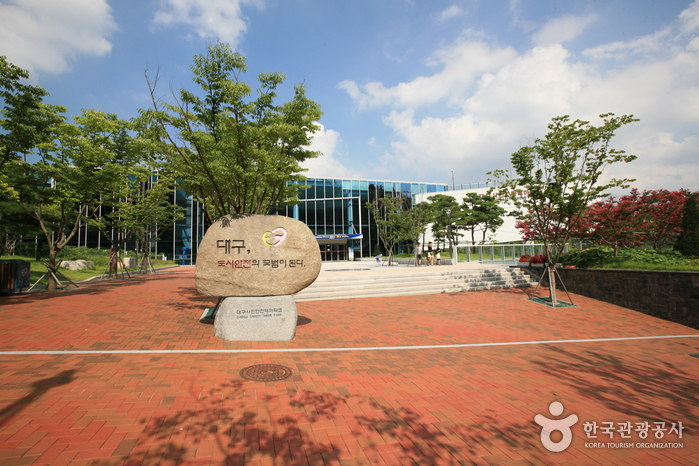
256, 255
268, 318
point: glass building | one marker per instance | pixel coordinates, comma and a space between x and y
335, 211
333, 208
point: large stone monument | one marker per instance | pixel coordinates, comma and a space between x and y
256, 262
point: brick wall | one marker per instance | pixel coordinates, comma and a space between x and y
672, 296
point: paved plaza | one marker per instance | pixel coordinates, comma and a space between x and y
123, 372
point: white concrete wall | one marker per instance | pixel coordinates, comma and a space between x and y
506, 233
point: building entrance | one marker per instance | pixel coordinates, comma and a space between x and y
333, 252
338, 247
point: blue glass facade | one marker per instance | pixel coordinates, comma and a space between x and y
334, 206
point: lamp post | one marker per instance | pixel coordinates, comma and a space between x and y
454, 258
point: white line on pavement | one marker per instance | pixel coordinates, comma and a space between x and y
317, 350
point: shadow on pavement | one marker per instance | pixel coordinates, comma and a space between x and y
40, 387
226, 424
85, 289
627, 385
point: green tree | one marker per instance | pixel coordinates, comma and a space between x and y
688, 241
483, 213
448, 218
560, 176
134, 208
413, 223
25, 120
387, 215
77, 171
234, 154
15, 224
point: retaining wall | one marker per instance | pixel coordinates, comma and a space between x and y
672, 296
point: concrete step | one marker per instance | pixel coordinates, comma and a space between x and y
425, 283
412, 283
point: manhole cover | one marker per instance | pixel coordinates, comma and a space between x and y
265, 372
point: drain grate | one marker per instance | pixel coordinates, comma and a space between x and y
547, 302
266, 372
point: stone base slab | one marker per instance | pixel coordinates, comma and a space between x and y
268, 318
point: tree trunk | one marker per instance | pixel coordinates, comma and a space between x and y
52, 262
114, 262
552, 283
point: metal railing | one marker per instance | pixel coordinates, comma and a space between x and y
482, 184
500, 253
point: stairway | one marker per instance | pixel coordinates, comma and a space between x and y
356, 284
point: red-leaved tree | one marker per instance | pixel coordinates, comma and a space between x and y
611, 223
651, 216
658, 214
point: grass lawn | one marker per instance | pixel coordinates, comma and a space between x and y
682, 265
691, 266
37, 268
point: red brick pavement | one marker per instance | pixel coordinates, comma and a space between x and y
471, 405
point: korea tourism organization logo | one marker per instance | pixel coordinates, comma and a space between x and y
621, 431
551, 425
275, 237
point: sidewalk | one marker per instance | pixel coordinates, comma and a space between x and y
374, 380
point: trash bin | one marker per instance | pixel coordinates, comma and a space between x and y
7, 277
14, 275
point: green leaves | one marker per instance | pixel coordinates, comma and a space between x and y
561, 174
235, 154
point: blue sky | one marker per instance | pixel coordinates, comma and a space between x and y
410, 89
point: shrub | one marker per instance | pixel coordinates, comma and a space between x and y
538, 259
525, 258
688, 241
600, 256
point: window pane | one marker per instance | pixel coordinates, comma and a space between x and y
329, 222
338, 188
311, 214
372, 191
311, 191
339, 222
346, 188
355, 214
302, 212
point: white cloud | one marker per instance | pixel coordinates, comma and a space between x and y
209, 19
562, 29
513, 101
449, 13
327, 165
689, 18
45, 36
620, 50
462, 64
